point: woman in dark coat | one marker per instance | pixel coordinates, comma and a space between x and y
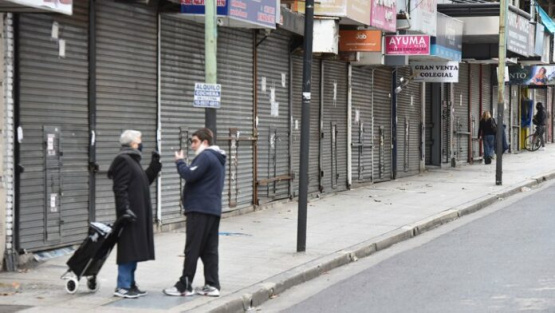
486, 132
132, 195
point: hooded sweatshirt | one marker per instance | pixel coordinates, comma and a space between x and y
204, 181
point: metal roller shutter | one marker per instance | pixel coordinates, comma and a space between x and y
126, 85
513, 129
313, 164
429, 124
549, 106
487, 90
475, 113
334, 126
273, 115
382, 124
235, 74
362, 80
53, 112
461, 127
408, 127
182, 64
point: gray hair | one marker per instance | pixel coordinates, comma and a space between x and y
129, 136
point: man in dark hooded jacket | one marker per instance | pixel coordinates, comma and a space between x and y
539, 120
202, 200
132, 195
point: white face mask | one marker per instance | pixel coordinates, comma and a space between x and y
201, 148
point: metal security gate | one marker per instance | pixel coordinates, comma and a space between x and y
273, 72
314, 156
182, 64
514, 129
549, 108
53, 129
333, 135
475, 113
461, 106
362, 125
126, 85
429, 124
409, 117
382, 124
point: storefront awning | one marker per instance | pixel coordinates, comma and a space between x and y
546, 20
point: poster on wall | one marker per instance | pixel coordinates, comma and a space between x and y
540, 75
59, 6
435, 72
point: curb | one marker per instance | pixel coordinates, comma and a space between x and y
249, 298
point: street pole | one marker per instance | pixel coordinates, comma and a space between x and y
210, 56
305, 126
503, 8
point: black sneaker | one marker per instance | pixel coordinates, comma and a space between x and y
126, 293
139, 292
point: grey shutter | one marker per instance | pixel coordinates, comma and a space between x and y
313, 166
475, 113
549, 108
382, 124
513, 130
182, 53
429, 124
273, 127
334, 132
460, 127
487, 89
126, 89
235, 74
408, 127
53, 92
361, 132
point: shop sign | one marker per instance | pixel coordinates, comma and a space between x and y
207, 95
360, 40
58, 6
384, 15
538, 42
540, 75
255, 12
435, 72
423, 16
407, 45
518, 33
354, 10
448, 42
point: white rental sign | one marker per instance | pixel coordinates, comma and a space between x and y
207, 95
435, 72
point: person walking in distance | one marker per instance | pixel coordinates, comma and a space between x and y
202, 200
539, 120
486, 132
132, 196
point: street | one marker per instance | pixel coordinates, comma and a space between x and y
497, 260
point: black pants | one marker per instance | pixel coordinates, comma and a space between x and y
202, 241
541, 131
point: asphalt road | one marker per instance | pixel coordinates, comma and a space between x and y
501, 259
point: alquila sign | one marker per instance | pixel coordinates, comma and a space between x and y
435, 72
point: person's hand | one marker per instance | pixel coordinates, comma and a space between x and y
129, 216
155, 156
179, 155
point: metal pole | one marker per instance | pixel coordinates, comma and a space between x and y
500, 92
210, 55
305, 126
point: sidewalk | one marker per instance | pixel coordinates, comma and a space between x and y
258, 250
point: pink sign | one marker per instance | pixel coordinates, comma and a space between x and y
383, 15
407, 44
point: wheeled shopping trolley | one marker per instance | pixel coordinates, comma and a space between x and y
91, 255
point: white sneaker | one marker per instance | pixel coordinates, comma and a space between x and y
173, 291
208, 290
542, 149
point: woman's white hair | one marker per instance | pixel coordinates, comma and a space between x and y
129, 136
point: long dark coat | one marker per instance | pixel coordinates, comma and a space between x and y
131, 191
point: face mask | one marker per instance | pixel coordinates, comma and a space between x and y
140, 147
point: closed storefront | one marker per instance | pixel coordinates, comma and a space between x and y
549, 107
409, 117
382, 124
314, 156
182, 65
126, 89
362, 130
52, 129
273, 87
514, 129
429, 125
333, 137
461, 107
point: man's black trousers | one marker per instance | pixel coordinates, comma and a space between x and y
202, 241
